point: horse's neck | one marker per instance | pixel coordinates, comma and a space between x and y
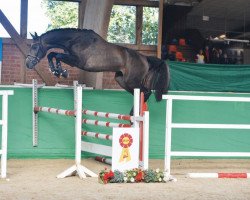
54, 40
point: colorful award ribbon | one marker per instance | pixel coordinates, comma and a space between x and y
125, 141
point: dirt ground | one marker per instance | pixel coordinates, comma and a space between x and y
36, 179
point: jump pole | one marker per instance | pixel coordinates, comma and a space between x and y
218, 175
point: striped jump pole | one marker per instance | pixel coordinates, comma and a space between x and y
97, 135
103, 123
218, 175
103, 160
107, 115
55, 111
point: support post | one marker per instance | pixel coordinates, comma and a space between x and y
4, 123
144, 136
4, 137
136, 107
168, 136
145, 148
77, 168
34, 114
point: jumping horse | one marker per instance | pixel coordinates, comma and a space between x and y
86, 50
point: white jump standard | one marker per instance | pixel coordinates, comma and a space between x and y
77, 113
4, 124
80, 169
170, 125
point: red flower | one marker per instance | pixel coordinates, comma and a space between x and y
106, 177
139, 176
111, 174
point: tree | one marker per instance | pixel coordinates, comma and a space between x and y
150, 26
122, 24
61, 14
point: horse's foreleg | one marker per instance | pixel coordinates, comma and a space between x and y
60, 57
67, 59
52, 67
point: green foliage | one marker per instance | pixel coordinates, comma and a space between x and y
118, 177
153, 176
150, 176
132, 176
61, 14
150, 26
122, 24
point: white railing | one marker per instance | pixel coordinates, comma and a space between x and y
4, 124
170, 125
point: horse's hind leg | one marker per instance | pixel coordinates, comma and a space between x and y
147, 92
120, 80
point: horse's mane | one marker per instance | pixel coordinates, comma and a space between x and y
65, 29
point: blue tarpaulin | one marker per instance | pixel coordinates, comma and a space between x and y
1, 51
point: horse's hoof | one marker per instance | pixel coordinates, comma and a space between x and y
56, 73
64, 73
58, 65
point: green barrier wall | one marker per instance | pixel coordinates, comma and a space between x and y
209, 77
56, 132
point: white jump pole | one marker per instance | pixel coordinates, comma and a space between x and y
4, 123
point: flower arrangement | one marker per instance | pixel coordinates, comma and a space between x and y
132, 176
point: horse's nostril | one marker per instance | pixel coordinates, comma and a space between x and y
34, 62
29, 64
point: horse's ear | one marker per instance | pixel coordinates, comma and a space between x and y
34, 36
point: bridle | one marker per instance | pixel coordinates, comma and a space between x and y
36, 59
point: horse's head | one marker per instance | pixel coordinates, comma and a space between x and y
37, 52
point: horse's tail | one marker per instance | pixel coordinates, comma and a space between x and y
158, 76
